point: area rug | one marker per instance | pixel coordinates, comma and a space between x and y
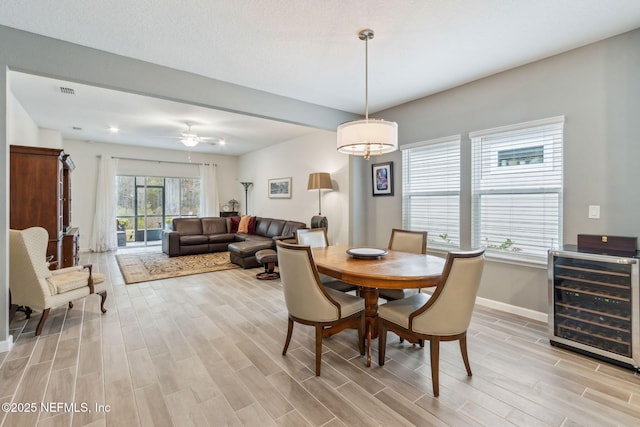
146, 266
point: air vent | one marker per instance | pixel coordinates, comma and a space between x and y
67, 90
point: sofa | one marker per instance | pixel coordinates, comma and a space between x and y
267, 232
197, 236
212, 234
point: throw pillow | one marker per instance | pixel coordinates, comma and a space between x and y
252, 225
243, 226
234, 225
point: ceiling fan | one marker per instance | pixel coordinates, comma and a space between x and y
190, 139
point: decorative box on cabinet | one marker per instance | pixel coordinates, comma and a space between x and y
594, 304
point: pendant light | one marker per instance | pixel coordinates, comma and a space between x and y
368, 137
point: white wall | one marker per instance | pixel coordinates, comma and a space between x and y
85, 176
597, 89
49, 138
21, 128
298, 158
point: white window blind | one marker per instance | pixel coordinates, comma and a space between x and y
431, 190
517, 189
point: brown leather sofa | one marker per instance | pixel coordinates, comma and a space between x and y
212, 234
197, 236
267, 232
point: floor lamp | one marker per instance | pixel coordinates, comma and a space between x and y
246, 192
319, 181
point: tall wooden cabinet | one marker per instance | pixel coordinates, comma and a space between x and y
40, 195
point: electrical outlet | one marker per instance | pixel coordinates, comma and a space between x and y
594, 211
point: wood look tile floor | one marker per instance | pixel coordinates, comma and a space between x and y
206, 350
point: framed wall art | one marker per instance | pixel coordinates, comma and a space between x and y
382, 179
280, 188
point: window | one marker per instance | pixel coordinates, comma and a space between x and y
147, 204
517, 188
431, 190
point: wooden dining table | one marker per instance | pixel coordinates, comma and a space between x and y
395, 270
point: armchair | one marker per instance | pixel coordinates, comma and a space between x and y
317, 238
33, 285
405, 241
327, 310
443, 316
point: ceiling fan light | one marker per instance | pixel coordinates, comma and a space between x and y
190, 139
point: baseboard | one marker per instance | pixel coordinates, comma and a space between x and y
7, 344
513, 309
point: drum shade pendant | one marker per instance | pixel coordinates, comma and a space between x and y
368, 137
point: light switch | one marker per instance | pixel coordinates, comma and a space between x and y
594, 211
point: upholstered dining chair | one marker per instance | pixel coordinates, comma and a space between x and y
443, 316
33, 285
310, 303
405, 241
317, 238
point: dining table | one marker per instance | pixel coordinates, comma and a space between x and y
392, 269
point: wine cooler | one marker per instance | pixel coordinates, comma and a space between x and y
594, 304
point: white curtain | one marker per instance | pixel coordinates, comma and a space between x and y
209, 202
103, 237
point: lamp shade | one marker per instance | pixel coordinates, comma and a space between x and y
319, 181
369, 137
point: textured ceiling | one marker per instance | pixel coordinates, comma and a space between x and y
309, 50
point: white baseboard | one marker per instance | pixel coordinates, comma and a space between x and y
7, 344
520, 311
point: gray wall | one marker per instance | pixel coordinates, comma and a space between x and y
597, 89
27, 52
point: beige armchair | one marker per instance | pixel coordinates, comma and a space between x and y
405, 241
310, 303
443, 316
317, 238
33, 285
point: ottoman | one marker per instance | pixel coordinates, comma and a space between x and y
268, 258
244, 253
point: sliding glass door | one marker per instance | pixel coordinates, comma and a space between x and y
147, 205
149, 209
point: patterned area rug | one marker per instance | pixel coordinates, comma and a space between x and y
146, 266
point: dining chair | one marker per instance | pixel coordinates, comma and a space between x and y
310, 303
443, 316
317, 238
33, 285
405, 241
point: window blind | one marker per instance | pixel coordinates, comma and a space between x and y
517, 188
431, 190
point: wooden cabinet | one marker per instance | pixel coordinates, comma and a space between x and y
40, 194
592, 306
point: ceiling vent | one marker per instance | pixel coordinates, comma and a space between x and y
67, 90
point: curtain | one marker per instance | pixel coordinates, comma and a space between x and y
103, 236
209, 202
